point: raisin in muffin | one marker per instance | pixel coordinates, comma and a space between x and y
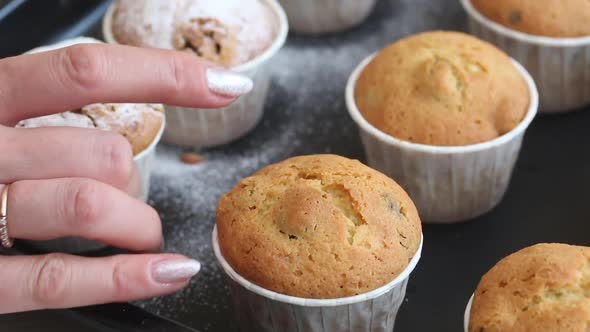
229, 32
551, 18
544, 287
320, 226
139, 123
442, 88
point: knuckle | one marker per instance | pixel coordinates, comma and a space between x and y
82, 202
83, 66
174, 79
118, 158
50, 281
121, 280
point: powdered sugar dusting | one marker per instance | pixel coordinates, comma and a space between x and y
149, 23
109, 116
139, 123
57, 120
251, 19
152, 23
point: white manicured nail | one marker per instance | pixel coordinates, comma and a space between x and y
228, 83
175, 270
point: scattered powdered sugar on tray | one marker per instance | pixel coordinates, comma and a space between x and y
305, 113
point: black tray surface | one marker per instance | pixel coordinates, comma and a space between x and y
120, 317
28, 23
305, 113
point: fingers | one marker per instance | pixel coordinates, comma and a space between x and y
61, 281
72, 77
134, 184
59, 152
49, 209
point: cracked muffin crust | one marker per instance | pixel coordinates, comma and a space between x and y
207, 38
545, 287
442, 88
551, 18
138, 123
229, 32
319, 226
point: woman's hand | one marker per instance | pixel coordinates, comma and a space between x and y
75, 182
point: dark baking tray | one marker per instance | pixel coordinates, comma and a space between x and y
305, 113
104, 318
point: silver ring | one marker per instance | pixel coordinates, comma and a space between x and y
5, 239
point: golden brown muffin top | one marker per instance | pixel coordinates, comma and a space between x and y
319, 226
545, 287
551, 18
139, 123
442, 88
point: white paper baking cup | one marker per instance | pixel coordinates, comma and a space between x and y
75, 245
65, 43
447, 183
316, 17
259, 309
560, 66
144, 161
467, 314
201, 128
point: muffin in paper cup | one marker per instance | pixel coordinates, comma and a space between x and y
260, 309
324, 16
317, 243
538, 288
559, 66
202, 128
447, 183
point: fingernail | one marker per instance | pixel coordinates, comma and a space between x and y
175, 270
228, 83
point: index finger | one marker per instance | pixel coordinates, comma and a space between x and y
56, 81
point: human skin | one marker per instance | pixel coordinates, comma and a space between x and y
77, 182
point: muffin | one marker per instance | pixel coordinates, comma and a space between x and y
540, 288
141, 124
549, 38
319, 228
242, 35
442, 88
325, 16
553, 18
138, 123
443, 113
229, 32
